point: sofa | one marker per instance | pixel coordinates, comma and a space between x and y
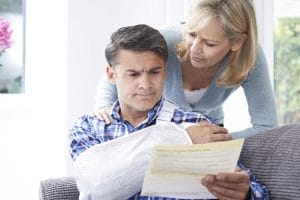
273, 156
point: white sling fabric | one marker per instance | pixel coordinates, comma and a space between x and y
166, 114
116, 169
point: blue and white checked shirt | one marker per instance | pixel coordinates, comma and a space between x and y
88, 131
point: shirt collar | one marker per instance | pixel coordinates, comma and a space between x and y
152, 114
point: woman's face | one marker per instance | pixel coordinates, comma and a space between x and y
208, 46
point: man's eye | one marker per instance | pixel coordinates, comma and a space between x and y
155, 72
133, 74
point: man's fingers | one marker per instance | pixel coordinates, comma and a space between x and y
226, 194
237, 177
227, 185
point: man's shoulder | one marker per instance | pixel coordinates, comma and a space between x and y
183, 115
87, 121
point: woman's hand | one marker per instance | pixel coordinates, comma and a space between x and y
102, 113
228, 186
205, 133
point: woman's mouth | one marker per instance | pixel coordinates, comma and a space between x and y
197, 59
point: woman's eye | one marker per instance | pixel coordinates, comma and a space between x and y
210, 44
192, 34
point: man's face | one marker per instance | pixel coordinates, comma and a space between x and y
139, 78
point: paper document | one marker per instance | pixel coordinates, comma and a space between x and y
176, 170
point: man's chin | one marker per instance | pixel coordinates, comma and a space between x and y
145, 105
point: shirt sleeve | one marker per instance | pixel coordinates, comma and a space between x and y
257, 190
81, 136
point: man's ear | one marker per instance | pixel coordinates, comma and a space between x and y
110, 72
239, 43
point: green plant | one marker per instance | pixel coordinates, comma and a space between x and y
287, 67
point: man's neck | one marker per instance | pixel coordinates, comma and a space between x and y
133, 117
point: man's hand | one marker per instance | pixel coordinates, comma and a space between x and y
205, 132
228, 186
102, 113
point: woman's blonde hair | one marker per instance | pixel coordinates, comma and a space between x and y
236, 17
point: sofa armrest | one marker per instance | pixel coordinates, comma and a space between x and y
274, 159
58, 189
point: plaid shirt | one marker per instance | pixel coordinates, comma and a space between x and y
88, 131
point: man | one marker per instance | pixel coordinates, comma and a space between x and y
137, 58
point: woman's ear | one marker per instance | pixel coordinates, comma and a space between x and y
239, 43
110, 72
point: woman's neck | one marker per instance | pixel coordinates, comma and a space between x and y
197, 78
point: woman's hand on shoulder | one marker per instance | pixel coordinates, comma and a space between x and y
102, 113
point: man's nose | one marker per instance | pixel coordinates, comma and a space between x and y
145, 81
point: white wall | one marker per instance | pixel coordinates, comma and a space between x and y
33, 125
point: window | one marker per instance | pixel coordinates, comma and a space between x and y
287, 60
11, 46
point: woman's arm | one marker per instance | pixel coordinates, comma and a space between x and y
260, 98
106, 94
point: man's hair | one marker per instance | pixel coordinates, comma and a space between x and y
137, 38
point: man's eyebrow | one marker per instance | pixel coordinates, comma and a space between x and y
156, 68
131, 70
139, 71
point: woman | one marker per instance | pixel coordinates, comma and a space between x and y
216, 53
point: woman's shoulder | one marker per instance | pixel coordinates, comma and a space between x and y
172, 34
261, 57
261, 69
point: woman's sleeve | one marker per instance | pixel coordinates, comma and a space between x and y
260, 98
106, 93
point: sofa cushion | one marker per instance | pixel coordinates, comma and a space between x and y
59, 189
